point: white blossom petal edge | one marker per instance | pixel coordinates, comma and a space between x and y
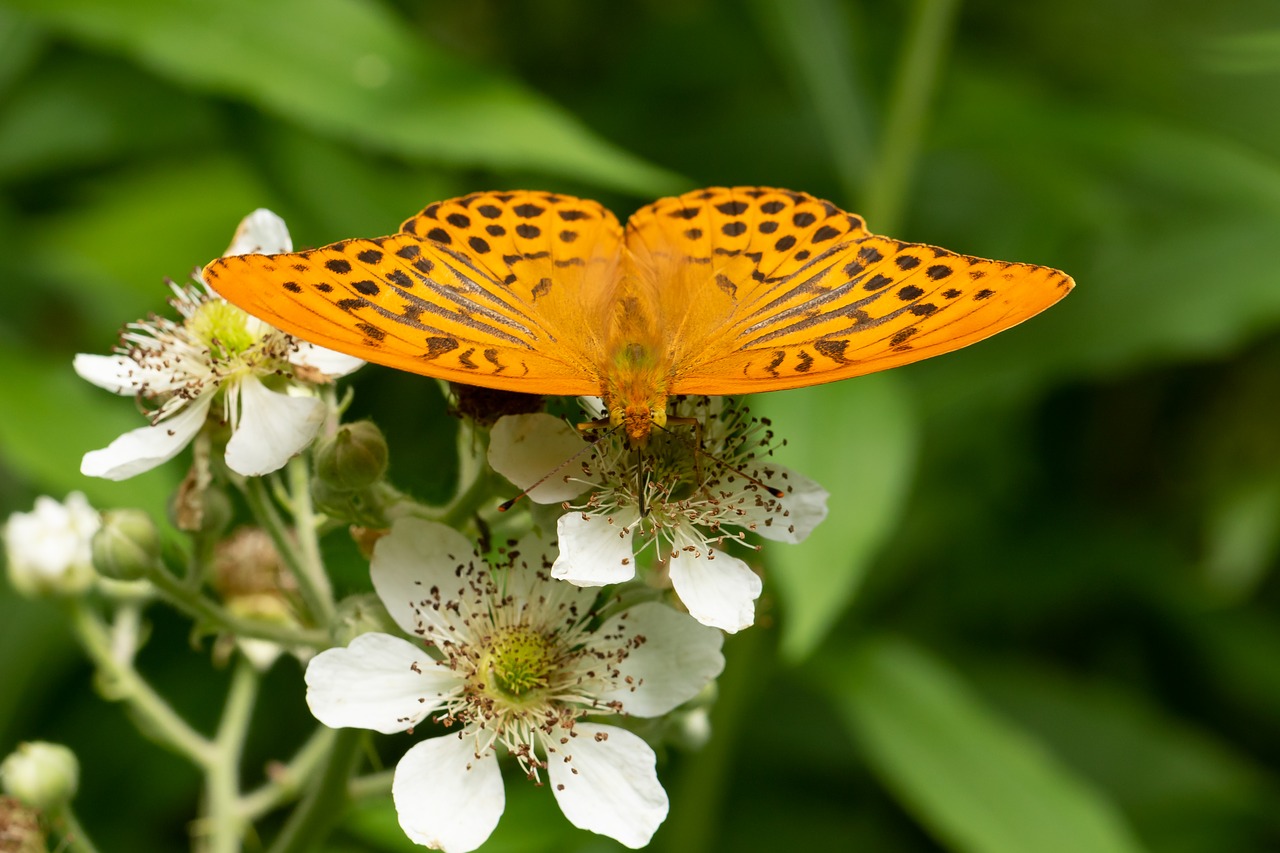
215, 362
512, 661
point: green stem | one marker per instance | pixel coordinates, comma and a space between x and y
481, 491
313, 819
223, 825
121, 683
74, 838
194, 604
316, 599
307, 525
929, 32
373, 785
695, 820
286, 782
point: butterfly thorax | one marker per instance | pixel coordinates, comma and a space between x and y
635, 390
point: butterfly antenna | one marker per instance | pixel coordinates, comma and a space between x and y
697, 448
506, 505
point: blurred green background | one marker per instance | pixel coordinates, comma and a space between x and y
1044, 613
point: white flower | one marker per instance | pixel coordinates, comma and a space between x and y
683, 498
217, 359
512, 659
48, 550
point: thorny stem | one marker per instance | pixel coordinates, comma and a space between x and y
74, 838
917, 76
316, 598
287, 781
194, 604
312, 820
121, 683
222, 821
307, 526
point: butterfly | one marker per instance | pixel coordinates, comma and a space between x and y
717, 291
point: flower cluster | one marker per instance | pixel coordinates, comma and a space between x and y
538, 651
686, 497
260, 379
509, 657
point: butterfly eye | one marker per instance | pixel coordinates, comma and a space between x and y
659, 415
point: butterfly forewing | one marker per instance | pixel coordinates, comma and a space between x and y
482, 289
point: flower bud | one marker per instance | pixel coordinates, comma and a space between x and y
47, 549
361, 614
127, 545
41, 775
353, 458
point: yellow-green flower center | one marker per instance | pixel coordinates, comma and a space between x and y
520, 661
222, 327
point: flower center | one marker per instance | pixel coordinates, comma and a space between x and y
222, 327
519, 661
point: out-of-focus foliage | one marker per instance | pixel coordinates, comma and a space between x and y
1044, 614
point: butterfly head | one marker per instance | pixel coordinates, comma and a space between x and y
637, 421
635, 391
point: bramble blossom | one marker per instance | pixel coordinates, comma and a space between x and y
513, 661
216, 360
49, 550
685, 497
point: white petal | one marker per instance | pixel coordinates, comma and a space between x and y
718, 589
446, 798
326, 361
146, 447
594, 550
116, 373
528, 448
411, 560
273, 427
678, 658
550, 603
260, 233
804, 507
604, 780
378, 682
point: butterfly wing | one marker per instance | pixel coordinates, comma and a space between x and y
488, 289
763, 289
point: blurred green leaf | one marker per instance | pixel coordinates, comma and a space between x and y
858, 439
113, 251
353, 70
1165, 772
814, 40
978, 783
1242, 537
1247, 53
79, 111
20, 44
49, 418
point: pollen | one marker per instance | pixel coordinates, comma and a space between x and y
223, 328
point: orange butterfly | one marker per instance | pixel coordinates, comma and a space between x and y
717, 291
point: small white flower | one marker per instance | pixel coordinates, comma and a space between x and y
217, 359
686, 500
48, 549
512, 660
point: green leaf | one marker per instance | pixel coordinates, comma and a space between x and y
979, 784
354, 71
859, 439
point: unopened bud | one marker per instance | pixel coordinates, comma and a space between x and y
361, 614
41, 775
127, 545
353, 458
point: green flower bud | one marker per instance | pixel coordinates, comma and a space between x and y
127, 546
361, 614
41, 775
353, 458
